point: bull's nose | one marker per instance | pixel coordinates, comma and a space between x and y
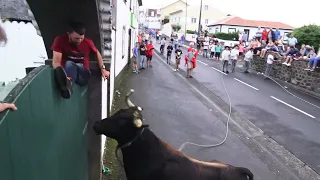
97, 127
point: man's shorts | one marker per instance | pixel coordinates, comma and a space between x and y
178, 60
190, 65
149, 58
134, 60
217, 54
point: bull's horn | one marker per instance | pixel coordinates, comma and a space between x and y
138, 123
129, 103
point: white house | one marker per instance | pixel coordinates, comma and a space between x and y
250, 27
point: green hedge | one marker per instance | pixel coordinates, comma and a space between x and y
190, 32
224, 36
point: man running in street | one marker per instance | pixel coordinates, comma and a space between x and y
178, 58
71, 53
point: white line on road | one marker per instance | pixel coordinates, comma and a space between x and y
219, 71
292, 107
246, 84
202, 62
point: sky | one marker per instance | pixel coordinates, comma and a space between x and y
286, 11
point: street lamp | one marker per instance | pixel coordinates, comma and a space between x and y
199, 27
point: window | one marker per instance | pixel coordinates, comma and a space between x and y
125, 1
206, 7
217, 30
193, 20
206, 21
123, 41
231, 30
179, 19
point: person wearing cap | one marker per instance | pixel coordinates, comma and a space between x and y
225, 58
247, 59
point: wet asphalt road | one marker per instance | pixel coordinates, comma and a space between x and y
176, 115
291, 122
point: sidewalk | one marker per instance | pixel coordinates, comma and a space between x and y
176, 115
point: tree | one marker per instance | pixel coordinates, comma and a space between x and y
165, 20
309, 35
176, 27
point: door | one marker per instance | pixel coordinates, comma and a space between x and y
247, 31
129, 46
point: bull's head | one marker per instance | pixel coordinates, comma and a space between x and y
124, 124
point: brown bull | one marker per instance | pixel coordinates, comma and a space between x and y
146, 157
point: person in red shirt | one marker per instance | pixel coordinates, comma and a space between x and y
70, 62
264, 35
139, 38
149, 53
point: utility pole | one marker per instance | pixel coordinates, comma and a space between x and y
186, 19
199, 27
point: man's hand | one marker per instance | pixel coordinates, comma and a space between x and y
105, 74
4, 106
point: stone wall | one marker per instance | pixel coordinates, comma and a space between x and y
294, 74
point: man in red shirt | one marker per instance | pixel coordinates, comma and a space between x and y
71, 53
149, 53
264, 35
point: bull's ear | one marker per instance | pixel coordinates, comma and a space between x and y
137, 123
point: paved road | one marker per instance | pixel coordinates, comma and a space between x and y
286, 119
176, 115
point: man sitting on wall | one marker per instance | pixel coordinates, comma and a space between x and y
71, 53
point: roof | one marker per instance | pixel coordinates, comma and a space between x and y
173, 3
237, 21
140, 2
176, 12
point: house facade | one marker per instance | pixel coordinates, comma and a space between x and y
233, 24
188, 18
173, 7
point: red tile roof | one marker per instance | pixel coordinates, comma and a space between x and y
237, 21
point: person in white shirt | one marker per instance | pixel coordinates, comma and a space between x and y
234, 57
247, 59
205, 49
270, 60
225, 58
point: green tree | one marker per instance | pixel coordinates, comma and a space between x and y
309, 35
176, 27
165, 20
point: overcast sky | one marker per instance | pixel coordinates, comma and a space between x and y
294, 13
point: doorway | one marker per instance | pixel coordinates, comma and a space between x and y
247, 31
129, 46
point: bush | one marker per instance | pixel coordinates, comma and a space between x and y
165, 20
176, 27
309, 35
227, 36
190, 32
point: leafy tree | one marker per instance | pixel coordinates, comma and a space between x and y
176, 27
309, 35
226, 36
166, 20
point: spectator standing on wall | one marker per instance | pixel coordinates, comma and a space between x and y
271, 36
292, 41
135, 52
259, 34
277, 34
71, 53
264, 35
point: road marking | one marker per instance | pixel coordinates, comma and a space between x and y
202, 62
246, 84
209, 100
292, 107
219, 71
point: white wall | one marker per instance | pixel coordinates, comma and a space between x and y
25, 48
252, 30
